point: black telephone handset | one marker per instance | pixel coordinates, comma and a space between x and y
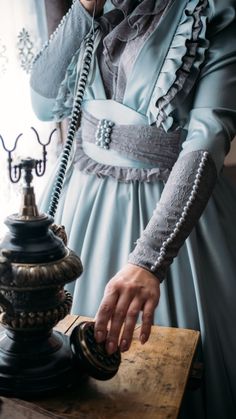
91, 357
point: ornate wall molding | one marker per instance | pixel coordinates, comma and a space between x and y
25, 47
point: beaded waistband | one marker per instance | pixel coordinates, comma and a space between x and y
125, 152
147, 144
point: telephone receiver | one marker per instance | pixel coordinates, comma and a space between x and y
91, 357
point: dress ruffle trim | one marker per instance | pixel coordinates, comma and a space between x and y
122, 174
182, 64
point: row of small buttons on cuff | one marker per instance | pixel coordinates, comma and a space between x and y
192, 197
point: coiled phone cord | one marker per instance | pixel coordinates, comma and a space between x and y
76, 110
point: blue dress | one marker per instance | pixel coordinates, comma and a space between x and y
191, 85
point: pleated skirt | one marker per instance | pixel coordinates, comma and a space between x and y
103, 220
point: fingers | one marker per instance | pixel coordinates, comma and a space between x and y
129, 325
113, 309
135, 308
147, 320
117, 321
104, 314
126, 314
131, 291
123, 312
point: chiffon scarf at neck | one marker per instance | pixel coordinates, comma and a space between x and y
130, 19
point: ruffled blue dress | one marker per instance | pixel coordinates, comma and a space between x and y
145, 74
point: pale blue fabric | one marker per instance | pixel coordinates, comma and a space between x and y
108, 6
116, 112
144, 82
44, 108
140, 84
39, 9
104, 218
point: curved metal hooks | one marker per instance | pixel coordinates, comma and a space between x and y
14, 147
40, 165
49, 139
15, 171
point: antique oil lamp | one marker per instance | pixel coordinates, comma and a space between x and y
35, 265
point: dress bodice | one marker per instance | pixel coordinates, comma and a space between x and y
170, 72
126, 68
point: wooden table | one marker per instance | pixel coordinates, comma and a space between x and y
149, 384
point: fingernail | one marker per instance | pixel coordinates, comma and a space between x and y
99, 336
124, 345
110, 347
143, 339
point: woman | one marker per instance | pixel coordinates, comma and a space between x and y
162, 88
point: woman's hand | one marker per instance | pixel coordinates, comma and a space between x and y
131, 290
89, 5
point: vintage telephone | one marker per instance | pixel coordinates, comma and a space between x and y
35, 264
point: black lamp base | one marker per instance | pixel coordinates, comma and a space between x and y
34, 365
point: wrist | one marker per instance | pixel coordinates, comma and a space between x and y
142, 267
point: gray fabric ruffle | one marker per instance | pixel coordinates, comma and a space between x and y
191, 37
136, 17
121, 174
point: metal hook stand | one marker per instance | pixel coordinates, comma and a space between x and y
28, 164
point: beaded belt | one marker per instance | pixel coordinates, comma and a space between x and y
125, 152
141, 142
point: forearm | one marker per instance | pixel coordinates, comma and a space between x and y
183, 200
50, 66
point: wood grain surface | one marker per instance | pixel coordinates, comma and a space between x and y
149, 385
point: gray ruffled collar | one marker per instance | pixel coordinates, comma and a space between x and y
130, 19
136, 15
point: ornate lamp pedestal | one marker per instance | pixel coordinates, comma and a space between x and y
35, 264
32, 364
